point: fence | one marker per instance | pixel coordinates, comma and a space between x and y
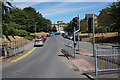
69, 49
107, 59
13, 47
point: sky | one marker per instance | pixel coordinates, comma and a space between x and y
64, 11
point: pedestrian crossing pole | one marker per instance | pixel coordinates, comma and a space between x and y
78, 22
74, 43
93, 36
75, 24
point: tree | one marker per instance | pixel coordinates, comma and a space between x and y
20, 17
42, 25
15, 20
22, 33
105, 20
8, 27
54, 28
114, 11
69, 28
100, 30
83, 25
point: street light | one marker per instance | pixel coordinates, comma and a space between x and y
35, 29
5, 44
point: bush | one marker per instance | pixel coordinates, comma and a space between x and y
22, 33
29, 37
100, 30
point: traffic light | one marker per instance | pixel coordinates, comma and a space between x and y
90, 24
74, 22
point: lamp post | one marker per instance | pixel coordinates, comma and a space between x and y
5, 44
35, 29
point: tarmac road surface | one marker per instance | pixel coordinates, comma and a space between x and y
43, 62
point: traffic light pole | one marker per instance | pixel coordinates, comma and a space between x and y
78, 32
74, 43
93, 37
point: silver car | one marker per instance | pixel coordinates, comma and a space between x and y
39, 42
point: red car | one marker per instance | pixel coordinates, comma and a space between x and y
44, 36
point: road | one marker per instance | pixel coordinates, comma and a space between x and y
43, 62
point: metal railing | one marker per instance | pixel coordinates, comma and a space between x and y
13, 47
107, 60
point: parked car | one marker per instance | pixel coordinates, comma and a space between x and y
52, 33
63, 34
48, 34
67, 36
71, 37
44, 37
39, 42
76, 38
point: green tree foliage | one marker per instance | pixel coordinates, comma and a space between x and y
22, 33
9, 30
54, 28
20, 17
69, 28
42, 25
83, 25
104, 19
114, 11
8, 27
22, 21
100, 30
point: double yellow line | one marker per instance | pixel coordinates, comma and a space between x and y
15, 60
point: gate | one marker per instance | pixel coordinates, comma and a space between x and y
107, 59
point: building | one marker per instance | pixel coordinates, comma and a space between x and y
59, 26
87, 16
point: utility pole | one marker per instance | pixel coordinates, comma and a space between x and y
35, 29
5, 44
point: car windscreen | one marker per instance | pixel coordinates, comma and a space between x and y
37, 40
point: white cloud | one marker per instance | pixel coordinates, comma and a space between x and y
61, 8
60, 11
64, 0
25, 4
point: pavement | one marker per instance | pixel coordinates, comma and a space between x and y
43, 62
84, 61
27, 47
